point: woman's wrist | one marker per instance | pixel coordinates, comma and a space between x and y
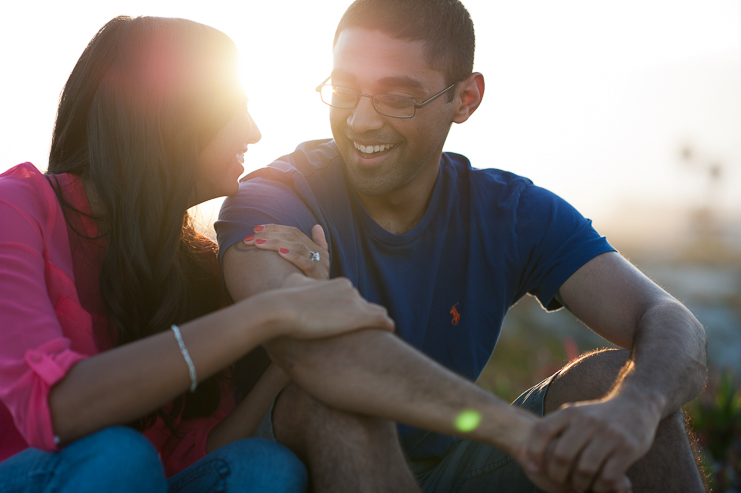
268, 314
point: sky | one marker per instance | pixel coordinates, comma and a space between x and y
591, 99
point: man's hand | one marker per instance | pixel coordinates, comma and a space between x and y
518, 449
590, 445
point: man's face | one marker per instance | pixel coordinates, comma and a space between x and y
372, 62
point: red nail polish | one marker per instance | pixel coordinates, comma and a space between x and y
249, 238
284, 250
261, 241
259, 228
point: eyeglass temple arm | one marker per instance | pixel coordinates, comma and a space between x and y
319, 87
431, 99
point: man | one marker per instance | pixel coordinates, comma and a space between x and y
447, 249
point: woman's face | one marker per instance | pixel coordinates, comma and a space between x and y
220, 164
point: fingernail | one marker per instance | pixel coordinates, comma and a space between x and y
249, 238
261, 241
284, 250
259, 228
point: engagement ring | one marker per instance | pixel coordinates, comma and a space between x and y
315, 256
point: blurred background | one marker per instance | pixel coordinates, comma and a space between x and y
631, 111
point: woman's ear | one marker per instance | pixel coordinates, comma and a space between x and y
469, 94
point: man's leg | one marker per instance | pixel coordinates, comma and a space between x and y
669, 465
343, 451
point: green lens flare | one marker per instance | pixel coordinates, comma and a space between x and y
468, 420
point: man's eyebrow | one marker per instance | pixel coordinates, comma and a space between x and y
401, 81
338, 74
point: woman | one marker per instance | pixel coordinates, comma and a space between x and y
106, 290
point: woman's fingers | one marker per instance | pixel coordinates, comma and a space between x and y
327, 308
310, 268
317, 234
294, 246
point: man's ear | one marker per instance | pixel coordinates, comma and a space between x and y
468, 95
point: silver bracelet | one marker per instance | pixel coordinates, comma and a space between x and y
186, 357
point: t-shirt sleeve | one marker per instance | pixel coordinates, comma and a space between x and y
554, 241
260, 201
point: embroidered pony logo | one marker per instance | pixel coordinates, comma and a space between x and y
456, 315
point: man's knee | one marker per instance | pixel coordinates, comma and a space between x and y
291, 413
300, 420
589, 377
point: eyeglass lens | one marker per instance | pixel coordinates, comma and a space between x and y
387, 104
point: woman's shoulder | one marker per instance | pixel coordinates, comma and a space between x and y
26, 188
24, 173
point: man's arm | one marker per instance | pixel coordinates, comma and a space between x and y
622, 305
666, 369
381, 375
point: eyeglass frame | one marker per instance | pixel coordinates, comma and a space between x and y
415, 104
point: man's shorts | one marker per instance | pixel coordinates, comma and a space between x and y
468, 466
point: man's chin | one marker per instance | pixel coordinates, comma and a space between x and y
369, 184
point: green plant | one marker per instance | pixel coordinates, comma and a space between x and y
715, 418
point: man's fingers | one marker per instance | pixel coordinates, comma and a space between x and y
590, 462
612, 473
543, 433
620, 485
566, 450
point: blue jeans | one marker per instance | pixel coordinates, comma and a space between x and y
120, 459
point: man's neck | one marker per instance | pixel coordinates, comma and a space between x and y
402, 209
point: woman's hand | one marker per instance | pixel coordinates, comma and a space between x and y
316, 309
294, 246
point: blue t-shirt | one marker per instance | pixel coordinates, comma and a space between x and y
488, 237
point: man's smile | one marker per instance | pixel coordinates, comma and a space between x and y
371, 148
371, 153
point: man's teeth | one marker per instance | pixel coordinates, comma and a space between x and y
240, 157
372, 149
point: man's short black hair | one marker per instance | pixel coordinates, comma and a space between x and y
444, 26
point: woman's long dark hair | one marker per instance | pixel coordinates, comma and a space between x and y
144, 99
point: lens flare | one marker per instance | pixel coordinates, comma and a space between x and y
467, 420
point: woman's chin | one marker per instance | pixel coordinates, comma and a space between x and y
233, 189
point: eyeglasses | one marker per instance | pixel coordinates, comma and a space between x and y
386, 104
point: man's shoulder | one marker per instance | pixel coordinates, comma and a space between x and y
463, 168
312, 173
484, 183
307, 159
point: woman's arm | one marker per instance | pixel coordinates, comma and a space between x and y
120, 385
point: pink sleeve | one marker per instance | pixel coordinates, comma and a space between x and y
34, 352
189, 444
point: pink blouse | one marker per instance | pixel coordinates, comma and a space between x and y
52, 315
